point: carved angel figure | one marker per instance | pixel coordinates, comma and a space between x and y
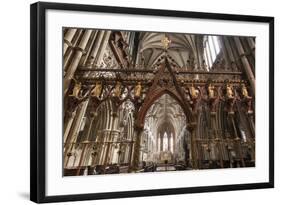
211, 91
138, 89
245, 91
229, 91
97, 90
193, 92
117, 89
76, 89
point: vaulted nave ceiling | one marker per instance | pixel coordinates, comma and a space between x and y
165, 115
182, 48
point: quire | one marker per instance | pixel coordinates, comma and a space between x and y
157, 102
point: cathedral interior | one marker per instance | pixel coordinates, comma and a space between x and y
150, 102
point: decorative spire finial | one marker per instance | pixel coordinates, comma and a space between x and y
166, 42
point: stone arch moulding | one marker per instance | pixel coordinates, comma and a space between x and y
156, 94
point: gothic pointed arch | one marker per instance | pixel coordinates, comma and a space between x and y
164, 83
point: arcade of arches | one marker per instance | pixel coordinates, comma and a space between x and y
148, 102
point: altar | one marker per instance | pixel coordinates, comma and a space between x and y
166, 156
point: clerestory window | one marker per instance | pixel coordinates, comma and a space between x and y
211, 50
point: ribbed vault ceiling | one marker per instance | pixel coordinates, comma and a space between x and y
182, 48
165, 115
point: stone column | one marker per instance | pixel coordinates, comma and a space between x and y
161, 143
174, 143
98, 146
130, 153
252, 45
237, 140
111, 135
68, 55
224, 52
216, 136
136, 155
252, 124
78, 119
68, 38
72, 137
246, 64
103, 46
95, 48
157, 143
126, 153
102, 150
89, 49
194, 159
169, 142
76, 59
230, 54
85, 145
105, 146
200, 52
68, 123
112, 150
90, 142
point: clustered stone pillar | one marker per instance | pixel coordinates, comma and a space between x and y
76, 59
200, 51
237, 139
98, 49
230, 53
68, 56
191, 128
68, 38
130, 153
86, 147
137, 144
94, 52
72, 137
161, 142
216, 136
87, 142
224, 52
107, 139
99, 143
169, 142
81, 42
68, 120
88, 49
103, 46
252, 45
246, 64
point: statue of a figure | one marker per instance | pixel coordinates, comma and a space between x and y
193, 92
211, 91
229, 91
245, 91
76, 89
97, 90
117, 89
138, 90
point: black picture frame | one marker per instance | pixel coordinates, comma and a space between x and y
38, 101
